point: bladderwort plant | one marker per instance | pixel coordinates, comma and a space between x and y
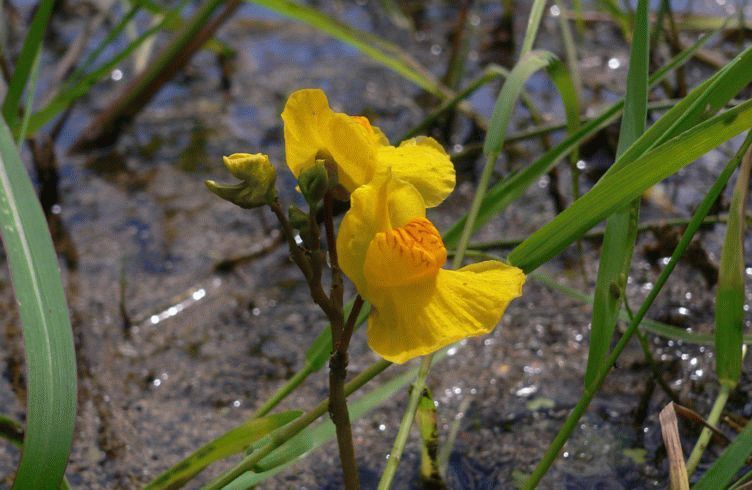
385, 244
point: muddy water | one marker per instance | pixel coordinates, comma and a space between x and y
173, 352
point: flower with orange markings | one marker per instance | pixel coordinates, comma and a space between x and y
394, 255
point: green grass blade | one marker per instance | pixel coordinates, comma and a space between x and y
729, 300
384, 52
83, 84
231, 442
731, 461
31, 47
533, 22
325, 431
505, 104
621, 227
29, 100
616, 190
48, 339
510, 189
571, 422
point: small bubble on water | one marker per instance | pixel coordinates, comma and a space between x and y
56, 209
436, 49
154, 319
614, 63
554, 11
581, 164
382, 427
157, 382
116, 75
256, 311
236, 403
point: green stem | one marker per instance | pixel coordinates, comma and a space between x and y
702, 441
589, 392
407, 421
294, 428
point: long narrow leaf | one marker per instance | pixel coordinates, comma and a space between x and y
508, 190
616, 190
231, 442
48, 340
729, 463
729, 300
621, 228
31, 47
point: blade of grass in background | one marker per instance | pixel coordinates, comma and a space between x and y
510, 189
621, 227
384, 52
533, 22
22, 70
731, 461
231, 442
79, 85
616, 190
47, 335
729, 310
574, 416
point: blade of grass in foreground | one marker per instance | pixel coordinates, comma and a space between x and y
621, 227
48, 339
574, 416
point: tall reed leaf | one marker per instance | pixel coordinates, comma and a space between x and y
29, 51
621, 227
729, 300
618, 188
48, 339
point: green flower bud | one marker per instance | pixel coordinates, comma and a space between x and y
314, 182
258, 178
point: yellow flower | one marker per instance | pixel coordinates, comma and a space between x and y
358, 150
394, 256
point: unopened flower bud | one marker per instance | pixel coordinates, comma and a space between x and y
314, 182
258, 178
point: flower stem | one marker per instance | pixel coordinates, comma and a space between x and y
341, 334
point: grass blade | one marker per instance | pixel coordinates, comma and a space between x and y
384, 52
231, 442
621, 227
533, 22
29, 51
733, 459
48, 339
616, 190
729, 301
510, 189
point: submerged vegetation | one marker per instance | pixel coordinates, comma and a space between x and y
577, 210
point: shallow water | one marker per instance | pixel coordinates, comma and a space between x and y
172, 352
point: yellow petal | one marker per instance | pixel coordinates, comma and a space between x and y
313, 130
421, 318
382, 204
306, 117
404, 255
423, 162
